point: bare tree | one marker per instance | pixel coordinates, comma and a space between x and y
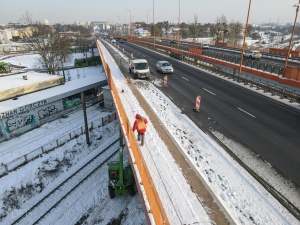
158, 29
52, 47
46, 42
193, 28
220, 29
184, 31
235, 32
26, 18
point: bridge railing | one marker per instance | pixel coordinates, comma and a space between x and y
143, 178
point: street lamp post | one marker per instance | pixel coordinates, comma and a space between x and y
179, 23
61, 60
129, 23
147, 19
289, 49
153, 26
245, 34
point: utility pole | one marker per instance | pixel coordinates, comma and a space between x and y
85, 119
129, 23
289, 49
245, 34
153, 25
178, 23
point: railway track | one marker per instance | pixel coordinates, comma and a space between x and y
35, 213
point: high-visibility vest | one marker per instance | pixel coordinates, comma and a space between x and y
141, 125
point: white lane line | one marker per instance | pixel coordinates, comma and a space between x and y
170, 97
209, 91
246, 112
185, 78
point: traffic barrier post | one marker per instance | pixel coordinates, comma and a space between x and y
166, 81
198, 99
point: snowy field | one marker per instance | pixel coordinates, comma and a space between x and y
242, 197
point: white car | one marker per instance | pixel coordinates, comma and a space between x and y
164, 67
205, 46
252, 54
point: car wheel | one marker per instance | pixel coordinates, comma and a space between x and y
250, 57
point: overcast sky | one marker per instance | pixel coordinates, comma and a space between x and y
70, 11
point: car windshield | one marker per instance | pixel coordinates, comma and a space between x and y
141, 66
166, 64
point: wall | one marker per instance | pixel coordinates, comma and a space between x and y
107, 97
22, 119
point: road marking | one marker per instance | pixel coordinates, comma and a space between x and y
185, 78
209, 91
170, 97
246, 112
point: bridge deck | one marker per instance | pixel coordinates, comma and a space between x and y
182, 188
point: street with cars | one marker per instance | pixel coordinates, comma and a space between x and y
268, 128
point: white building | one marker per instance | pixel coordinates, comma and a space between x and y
103, 25
6, 36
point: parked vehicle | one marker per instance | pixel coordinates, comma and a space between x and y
121, 41
164, 67
205, 46
113, 41
158, 40
139, 68
173, 42
252, 54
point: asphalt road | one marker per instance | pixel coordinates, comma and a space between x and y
266, 127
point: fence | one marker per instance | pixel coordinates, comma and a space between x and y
51, 145
143, 176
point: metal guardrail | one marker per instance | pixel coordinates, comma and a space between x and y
253, 64
266, 85
238, 50
274, 88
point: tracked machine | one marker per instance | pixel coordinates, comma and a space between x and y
120, 178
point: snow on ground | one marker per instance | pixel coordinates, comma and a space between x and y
245, 200
21, 188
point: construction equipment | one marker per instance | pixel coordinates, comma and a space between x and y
120, 179
4, 68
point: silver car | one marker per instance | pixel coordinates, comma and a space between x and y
164, 67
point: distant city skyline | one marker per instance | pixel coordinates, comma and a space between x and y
118, 11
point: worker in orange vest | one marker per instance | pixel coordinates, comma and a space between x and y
140, 125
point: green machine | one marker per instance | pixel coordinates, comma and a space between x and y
4, 68
120, 179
